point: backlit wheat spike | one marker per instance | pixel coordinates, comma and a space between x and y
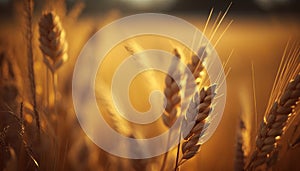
194, 123
172, 93
52, 41
282, 103
195, 67
273, 126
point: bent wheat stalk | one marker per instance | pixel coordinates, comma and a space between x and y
194, 123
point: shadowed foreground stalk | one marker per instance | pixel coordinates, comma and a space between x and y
31, 75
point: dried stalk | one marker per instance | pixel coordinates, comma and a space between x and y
31, 75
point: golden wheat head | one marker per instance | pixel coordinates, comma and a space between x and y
195, 121
52, 41
274, 124
172, 93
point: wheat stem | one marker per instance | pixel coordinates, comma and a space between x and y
54, 86
166, 154
177, 153
31, 75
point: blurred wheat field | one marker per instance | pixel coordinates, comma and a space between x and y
250, 39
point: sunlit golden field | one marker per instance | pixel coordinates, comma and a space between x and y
62, 145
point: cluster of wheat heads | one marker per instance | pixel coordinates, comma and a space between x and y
283, 101
27, 138
30, 139
20, 148
198, 108
43, 141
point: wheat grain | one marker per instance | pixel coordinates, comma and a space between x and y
52, 41
172, 93
194, 123
283, 100
274, 124
196, 67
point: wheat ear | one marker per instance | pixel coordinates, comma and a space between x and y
52, 41
274, 124
31, 75
53, 45
172, 93
196, 67
194, 123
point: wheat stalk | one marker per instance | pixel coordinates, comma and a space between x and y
274, 125
53, 46
29, 35
284, 97
194, 123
